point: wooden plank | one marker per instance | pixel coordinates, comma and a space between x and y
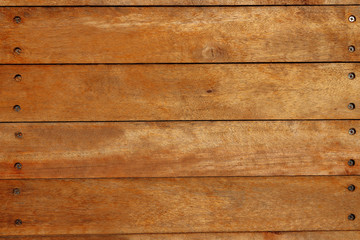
178, 35
178, 205
92, 150
171, 2
331, 235
179, 92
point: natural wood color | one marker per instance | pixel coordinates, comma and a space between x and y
179, 35
172, 149
179, 92
171, 2
175, 205
331, 235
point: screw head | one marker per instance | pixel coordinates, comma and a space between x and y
351, 162
351, 217
16, 191
18, 78
17, 108
351, 76
17, 50
18, 222
352, 18
18, 166
351, 188
351, 48
17, 19
352, 131
351, 106
18, 135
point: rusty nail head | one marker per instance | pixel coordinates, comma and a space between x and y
351, 188
351, 48
352, 18
351, 106
18, 166
18, 222
351, 162
17, 108
352, 131
351, 217
17, 50
18, 134
17, 19
18, 78
351, 76
16, 191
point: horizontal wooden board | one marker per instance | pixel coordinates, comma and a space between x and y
176, 205
179, 92
173, 149
178, 35
330, 235
171, 2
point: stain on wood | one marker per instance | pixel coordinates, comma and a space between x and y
178, 35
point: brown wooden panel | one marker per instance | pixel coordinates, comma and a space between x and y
179, 92
331, 235
175, 205
172, 2
178, 35
268, 148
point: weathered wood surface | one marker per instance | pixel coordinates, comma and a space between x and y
179, 92
176, 205
173, 149
171, 2
178, 35
331, 235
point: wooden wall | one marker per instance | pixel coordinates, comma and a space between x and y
179, 120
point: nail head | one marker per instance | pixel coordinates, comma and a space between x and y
18, 166
17, 50
18, 78
351, 162
351, 76
351, 48
17, 19
351, 217
352, 18
18, 222
351, 106
352, 131
16, 191
17, 108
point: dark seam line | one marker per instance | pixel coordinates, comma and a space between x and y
185, 63
183, 6
170, 233
179, 177
161, 121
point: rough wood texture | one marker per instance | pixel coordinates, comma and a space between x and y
179, 92
155, 205
332, 235
172, 2
178, 35
81, 150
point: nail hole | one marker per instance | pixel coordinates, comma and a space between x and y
17, 108
18, 166
351, 75
17, 50
16, 191
18, 78
17, 19
18, 222
351, 217
352, 131
351, 106
351, 188
351, 162
209, 91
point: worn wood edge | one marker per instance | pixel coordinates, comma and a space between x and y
319, 235
174, 2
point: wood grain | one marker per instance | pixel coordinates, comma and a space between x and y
173, 149
171, 2
178, 35
331, 235
176, 205
179, 92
